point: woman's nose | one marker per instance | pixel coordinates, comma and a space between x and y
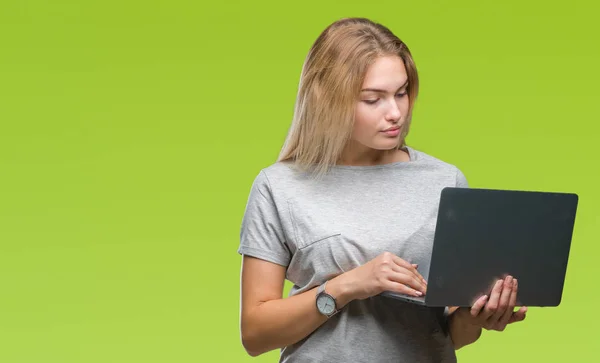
393, 113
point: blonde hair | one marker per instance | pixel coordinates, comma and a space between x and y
331, 78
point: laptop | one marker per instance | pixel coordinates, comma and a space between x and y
483, 235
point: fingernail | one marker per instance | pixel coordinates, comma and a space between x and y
418, 293
509, 279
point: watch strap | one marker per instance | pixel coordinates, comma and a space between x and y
321, 288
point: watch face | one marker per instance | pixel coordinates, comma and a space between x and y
325, 304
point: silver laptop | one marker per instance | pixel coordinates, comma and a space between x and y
483, 235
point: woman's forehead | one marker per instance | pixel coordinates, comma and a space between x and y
386, 74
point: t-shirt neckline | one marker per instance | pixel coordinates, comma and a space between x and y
411, 154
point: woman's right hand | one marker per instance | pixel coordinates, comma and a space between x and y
386, 272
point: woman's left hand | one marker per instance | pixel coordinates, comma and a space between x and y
496, 312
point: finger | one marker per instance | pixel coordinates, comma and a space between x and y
511, 305
517, 318
407, 278
507, 287
519, 315
416, 281
398, 264
492, 304
403, 263
402, 288
416, 266
478, 306
419, 283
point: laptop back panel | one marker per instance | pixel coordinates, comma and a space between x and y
483, 235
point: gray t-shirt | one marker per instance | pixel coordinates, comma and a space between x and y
319, 229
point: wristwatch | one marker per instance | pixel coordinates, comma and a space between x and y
326, 303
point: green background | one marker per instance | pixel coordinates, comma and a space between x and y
131, 131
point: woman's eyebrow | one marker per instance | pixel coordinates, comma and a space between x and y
380, 90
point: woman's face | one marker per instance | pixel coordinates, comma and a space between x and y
382, 105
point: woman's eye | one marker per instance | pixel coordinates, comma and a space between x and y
372, 102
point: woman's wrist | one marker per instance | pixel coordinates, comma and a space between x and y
340, 289
462, 330
462, 314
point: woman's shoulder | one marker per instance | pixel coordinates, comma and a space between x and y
440, 166
274, 174
423, 157
277, 182
277, 171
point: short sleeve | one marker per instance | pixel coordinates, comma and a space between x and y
261, 233
461, 180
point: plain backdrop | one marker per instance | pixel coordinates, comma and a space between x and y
131, 131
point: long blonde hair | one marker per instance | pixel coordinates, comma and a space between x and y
330, 82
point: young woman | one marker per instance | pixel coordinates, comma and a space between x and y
348, 211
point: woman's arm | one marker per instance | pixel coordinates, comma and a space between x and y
267, 320
462, 332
